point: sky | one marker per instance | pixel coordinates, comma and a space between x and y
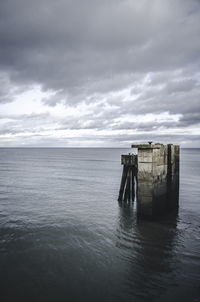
99, 73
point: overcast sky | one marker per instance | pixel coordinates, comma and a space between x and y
99, 73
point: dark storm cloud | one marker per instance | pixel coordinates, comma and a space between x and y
7, 91
89, 50
190, 119
67, 44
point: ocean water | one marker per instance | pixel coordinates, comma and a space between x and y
64, 237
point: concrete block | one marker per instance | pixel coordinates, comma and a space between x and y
145, 156
145, 171
157, 178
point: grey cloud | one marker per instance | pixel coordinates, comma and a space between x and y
190, 119
88, 50
181, 86
72, 43
32, 116
115, 140
176, 96
25, 123
145, 126
7, 91
157, 138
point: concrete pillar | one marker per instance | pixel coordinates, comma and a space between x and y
157, 165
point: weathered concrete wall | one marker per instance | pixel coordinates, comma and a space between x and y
157, 178
173, 175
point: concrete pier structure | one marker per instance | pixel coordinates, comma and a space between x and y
157, 178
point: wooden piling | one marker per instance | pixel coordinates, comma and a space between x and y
123, 182
127, 187
133, 183
127, 190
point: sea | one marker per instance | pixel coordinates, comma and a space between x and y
65, 237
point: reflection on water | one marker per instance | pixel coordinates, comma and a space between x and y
150, 251
158, 198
